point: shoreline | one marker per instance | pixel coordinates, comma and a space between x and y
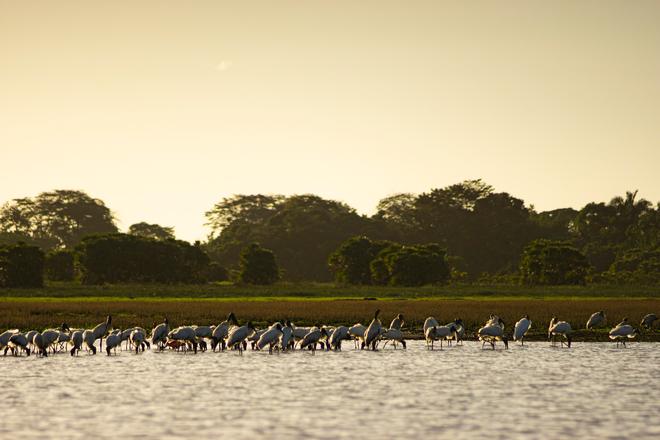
40, 313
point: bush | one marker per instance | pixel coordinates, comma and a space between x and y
548, 262
21, 265
351, 262
120, 258
215, 273
411, 265
60, 266
258, 266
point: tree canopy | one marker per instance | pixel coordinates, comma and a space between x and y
258, 265
483, 231
56, 219
149, 230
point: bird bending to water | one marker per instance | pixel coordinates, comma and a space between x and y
373, 332
621, 332
561, 329
596, 320
521, 329
491, 333
648, 320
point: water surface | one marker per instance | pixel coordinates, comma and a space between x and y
592, 390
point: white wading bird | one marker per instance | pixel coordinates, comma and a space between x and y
560, 328
621, 332
139, 340
112, 342
184, 334
492, 332
439, 332
430, 322
42, 348
221, 331
521, 329
357, 333
373, 332
459, 335
312, 338
648, 320
101, 330
238, 335
4, 339
287, 340
341, 333
596, 320
76, 341
88, 340
270, 337
19, 342
159, 334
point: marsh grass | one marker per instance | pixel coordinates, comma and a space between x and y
40, 314
329, 290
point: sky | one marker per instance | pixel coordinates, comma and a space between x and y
162, 108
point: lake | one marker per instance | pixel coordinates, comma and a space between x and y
592, 390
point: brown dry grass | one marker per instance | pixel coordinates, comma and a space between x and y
33, 314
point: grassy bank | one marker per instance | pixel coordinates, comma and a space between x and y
330, 290
32, 313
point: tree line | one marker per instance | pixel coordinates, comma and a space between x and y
466, 231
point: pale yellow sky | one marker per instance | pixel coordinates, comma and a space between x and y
161, 108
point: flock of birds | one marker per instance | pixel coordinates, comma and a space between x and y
230, 335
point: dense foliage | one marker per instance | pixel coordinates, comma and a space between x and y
258, 266
548, 262
301, 230
418, 265
60, 265
53, 220
21, 265
149, 230
120, 258
484, 233
360, 260
351, 263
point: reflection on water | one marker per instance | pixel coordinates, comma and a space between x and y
589, 391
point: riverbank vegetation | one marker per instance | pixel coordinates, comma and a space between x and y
466, 232
38, 313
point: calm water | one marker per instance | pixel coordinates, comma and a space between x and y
589, 391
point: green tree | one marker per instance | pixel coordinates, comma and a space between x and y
56, 219
302, 230
121, 258
21, 265
547, 262
351, 262
258, 265
398, 265
151, 230
60, 265
216, 272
